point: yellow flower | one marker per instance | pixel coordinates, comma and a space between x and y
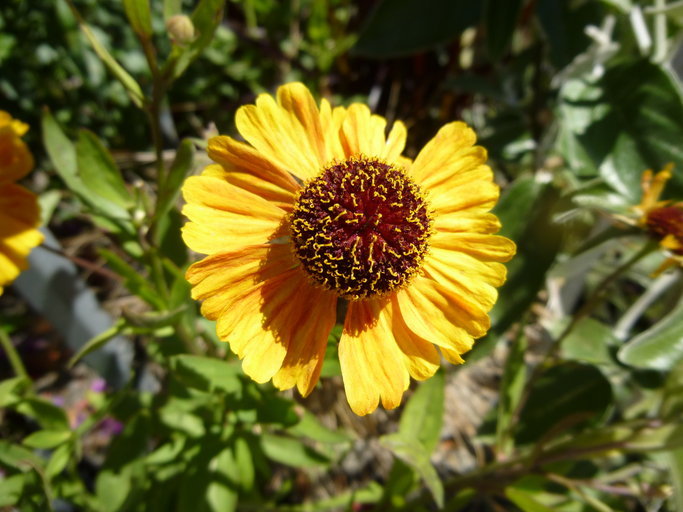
19, 212
319, 211
662, 219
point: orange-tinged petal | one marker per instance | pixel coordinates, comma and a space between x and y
296, 99
247, 168
20, 204
373, 366
225, 217
15, 158
653, 186
311, 325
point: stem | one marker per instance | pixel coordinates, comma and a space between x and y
14, 359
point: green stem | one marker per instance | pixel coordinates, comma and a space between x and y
12, 355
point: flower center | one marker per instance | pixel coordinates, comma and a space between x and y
666, 220
361, 227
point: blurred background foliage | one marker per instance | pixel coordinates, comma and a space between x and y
571, 403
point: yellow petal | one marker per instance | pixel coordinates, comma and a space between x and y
372, 365
225, 217
432, 312
446, 260
279, 135
420, 356
396, 143
331, 121
466, 221
20, 204
481, 246
315, 317
247, 168
448, 154
478, 195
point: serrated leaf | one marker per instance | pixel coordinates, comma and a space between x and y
401, 27
413, 453
422, 417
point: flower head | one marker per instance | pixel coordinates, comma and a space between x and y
19, 212
662, 219
319, 207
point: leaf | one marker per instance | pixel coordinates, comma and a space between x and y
101, 177
138, 14
589, 342
46, 413
47, 439
134, 281
18, 457
207, 374
564, 396
402, 27
181, 421
511, 391
11, 389
220, 493
675, 463
131, 86
658, 348
413, 453
525, 500
291, 452
422, 417
628, 121
112, 489
11, 489
62, 154
309, 426
500, 19
59, 460
246, 471
171, 8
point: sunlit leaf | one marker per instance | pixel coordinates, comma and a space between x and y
422, 417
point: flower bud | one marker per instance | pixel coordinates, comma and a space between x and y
180, 29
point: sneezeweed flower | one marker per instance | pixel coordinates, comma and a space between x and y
319, 208
662, 219
19, 211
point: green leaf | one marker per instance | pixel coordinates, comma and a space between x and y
331, 366
171, 8
628, 121
511, 391
139, 15
181, 421
589, 342
291, 452
18, 457
112, 489
131, 86
180, 168
413, 453
47, 439
309, 426
244, 463
100, 175
401, 27
62, 154
660, 347
46, 413
11, 489
675, 462
11, 389
500, 19
525, 500
220, 493
422, 417
207, 374
563, 397
59, 460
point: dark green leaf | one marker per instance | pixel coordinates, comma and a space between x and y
564, 397
660, 347
628, 121
401, 27
500, 18
422, 417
